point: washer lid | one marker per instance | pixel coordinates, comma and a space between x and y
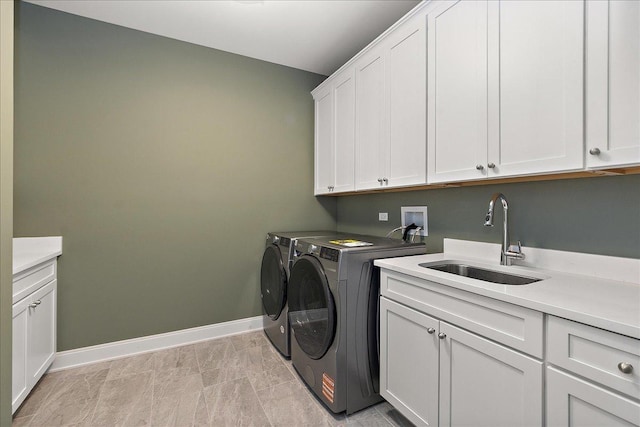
273, 282
312, 313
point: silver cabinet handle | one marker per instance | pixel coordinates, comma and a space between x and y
594, 151
385, 180
35, 304
625, 368
430, 330
442, 335
479, 167
380, 180
491, 165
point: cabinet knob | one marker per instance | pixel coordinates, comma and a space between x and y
594, 151
385, 180
625, 368
430, 330
479, 167
442, 335
330, 187
491, 165
380, 180
38, 302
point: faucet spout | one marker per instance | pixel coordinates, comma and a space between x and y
508, 252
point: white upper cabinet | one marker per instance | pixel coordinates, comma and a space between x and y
505, 89
323, 155
335, 135
344, 93
457, 91
612, 83
391, 109
370, 123
406, 86
535, 62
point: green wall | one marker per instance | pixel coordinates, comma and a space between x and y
593, 215
163, 165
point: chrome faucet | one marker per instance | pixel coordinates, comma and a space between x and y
509, 252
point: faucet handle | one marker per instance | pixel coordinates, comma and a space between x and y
515, 251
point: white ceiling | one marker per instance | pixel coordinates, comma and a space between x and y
312, 35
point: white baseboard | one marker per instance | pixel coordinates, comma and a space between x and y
119, 349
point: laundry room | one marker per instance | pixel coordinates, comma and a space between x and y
164, 172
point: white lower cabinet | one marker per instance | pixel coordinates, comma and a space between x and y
435, 373
483, 383
609, 364
34, 338
455, 358
409, 358
575, 402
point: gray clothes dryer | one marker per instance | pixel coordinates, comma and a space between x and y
333, 296
274, 276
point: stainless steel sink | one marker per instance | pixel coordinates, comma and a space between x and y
481, 273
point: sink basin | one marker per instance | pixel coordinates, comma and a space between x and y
481, 273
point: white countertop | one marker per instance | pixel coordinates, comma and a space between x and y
31, 251
597, 290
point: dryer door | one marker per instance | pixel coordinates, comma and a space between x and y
312, 312
273, 282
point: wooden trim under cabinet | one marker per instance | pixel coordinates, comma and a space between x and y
634, 170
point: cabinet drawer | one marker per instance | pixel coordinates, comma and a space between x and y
517, 327
33, 279
594, 353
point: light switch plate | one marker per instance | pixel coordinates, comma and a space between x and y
383, 216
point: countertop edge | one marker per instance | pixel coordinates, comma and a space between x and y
545, 301
31, 251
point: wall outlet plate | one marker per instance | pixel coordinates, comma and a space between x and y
415, 215
383, 216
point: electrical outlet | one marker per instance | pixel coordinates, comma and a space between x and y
383, 216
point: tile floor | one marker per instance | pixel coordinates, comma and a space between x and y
233, 381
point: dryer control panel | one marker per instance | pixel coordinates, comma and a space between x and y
330, 254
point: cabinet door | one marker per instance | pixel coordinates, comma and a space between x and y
370, 121
344, 92
457, 91
41, 332
535, 75
409, 362
485, 384
324, 163
613, 83
575, 402
19, 384
406, 80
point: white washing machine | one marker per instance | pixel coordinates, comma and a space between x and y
333, 296
274, 277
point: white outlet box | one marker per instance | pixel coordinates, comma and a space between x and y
383, 216
415, 215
